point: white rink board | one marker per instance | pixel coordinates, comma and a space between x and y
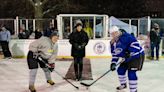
94, 48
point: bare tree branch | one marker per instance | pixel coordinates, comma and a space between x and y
51, 9
32, 2
44, 1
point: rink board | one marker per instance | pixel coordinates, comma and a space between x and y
95, 48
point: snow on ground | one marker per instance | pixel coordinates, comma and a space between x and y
14, 75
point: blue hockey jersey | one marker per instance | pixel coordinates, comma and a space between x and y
126, 44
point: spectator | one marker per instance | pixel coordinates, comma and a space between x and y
155, 40
88, 30
79, 40
38, 33
66, 32
23, 34
4, 40
49, 30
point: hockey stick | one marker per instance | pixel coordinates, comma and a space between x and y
47, 65
67, 80
88, 85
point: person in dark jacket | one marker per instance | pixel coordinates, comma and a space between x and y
23, 34
38, 33
49, 30
155, 40
79, 40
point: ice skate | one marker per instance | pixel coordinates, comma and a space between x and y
50, 82
32, 88
121, 87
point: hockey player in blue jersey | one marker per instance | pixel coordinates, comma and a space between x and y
124, 45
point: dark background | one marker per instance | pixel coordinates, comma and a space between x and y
117, 8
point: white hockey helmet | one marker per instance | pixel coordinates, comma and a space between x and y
113, 29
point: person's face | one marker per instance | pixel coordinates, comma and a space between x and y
54, 39
115, 34
3, 28
68, 28
79, 28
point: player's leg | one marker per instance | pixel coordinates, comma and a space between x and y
133, 66
32, 77
33, 66
48, 76
132, 80
47, 72
122, 76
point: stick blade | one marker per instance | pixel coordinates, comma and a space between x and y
84, 84
77, 87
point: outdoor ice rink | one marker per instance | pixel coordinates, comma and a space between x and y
14, 77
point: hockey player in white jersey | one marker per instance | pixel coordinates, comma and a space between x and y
45, 48
126, 46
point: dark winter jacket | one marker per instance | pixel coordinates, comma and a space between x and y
23, 35
78, 40
155, 37
38, 34
48, 31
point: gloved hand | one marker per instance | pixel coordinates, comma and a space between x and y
113, 66
77, 46
83, 45
127, 54
51, 66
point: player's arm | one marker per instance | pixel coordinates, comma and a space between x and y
134, 50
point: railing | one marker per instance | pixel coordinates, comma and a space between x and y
142, 25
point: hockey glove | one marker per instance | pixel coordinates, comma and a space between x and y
51, 66
113, 66
127, 54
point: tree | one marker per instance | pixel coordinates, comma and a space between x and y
44, 7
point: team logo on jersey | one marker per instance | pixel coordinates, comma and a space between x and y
117, 51
99, 48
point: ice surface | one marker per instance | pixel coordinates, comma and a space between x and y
14, 77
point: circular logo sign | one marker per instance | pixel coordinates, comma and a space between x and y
99, 48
